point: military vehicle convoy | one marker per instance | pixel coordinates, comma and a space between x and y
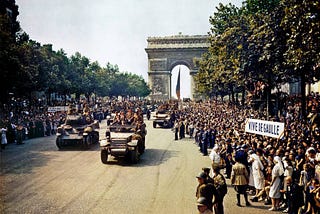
77, 130
163, 119
126, 141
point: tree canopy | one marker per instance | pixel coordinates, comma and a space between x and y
27, 66
273, 42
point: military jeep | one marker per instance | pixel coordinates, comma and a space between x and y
163, 119
123, 141
77, 130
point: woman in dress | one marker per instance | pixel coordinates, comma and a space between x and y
215, 157
4, 140
276, 183
257, 173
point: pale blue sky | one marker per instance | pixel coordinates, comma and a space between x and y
116, 31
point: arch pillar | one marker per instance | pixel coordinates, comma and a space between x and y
160, 83
192, 83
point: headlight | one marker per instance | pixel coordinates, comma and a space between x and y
104, 143
133, 143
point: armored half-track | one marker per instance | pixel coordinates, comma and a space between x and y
123, 141
163, 119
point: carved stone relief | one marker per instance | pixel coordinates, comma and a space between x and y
158, 64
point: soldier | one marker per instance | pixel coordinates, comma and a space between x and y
140, 114
206, 190
202, 206
207, 171
176, 129
20, 131
182, 129
204, 141
86, 109
129, 116
240, 180
220, 184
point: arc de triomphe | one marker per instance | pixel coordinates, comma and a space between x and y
164, 53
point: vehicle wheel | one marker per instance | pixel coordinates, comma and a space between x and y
134, 156
86, 142
58, 143
104, 156
141, 147
95, 138
154, 125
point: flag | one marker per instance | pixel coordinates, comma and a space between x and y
178, 86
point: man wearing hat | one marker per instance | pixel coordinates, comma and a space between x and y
207, 171
206, 190
203, 206
240, 179
221, 187
242, 155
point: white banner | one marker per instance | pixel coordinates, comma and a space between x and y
263, 127
57, 108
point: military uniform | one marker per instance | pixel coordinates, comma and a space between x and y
209, 192
240, 179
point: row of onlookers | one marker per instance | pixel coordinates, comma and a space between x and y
280, 171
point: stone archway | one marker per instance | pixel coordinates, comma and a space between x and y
164, 53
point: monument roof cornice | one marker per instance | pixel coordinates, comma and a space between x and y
178, 42
175, 37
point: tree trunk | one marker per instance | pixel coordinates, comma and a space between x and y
243, 95
232, 93
237, 98
77, 96
303, 96
269, 104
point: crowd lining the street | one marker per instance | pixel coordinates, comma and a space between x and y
283, 173
280, 172
20, 122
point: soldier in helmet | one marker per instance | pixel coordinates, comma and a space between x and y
206, 190
202, 206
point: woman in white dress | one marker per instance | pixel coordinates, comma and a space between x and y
257, 173
4, 140
251, 180
275, 187
215, 156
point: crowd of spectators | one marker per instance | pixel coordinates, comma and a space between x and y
291, 162
22, 120
280, 169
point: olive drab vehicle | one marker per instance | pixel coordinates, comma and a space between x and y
78, 129
163, 117
124, 139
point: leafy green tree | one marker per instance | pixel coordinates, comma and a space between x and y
265, 51
137, 86
253, 7
219, 72
302, 24
9, 63
77, 74
29, 66
246, 46
29, 58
